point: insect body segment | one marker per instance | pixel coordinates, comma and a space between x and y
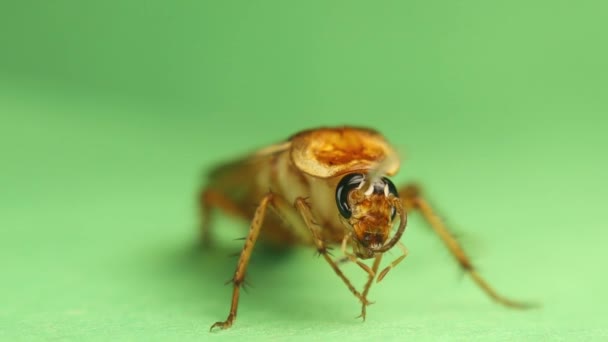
326, 186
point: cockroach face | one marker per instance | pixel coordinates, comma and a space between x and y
369, 208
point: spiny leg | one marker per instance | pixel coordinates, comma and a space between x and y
368, 284
241, 267
412, 200
208, 200
304, 211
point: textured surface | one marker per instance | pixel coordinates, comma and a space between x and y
328, 152
110, 111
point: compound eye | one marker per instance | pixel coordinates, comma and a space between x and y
346, 185
392, 189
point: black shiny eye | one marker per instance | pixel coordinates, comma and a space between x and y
391, 190
346, 185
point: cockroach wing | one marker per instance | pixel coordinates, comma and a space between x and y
329, 152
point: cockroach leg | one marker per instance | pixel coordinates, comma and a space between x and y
368, 284
208, 200
241, 267
353, 258
394, 263
412, 200
304, 209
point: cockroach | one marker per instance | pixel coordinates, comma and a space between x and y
326, 186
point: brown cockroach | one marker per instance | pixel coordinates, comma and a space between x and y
325, 186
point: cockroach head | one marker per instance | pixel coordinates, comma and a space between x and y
369, 207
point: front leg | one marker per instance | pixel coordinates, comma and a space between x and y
368, 284
304, 209
413, 200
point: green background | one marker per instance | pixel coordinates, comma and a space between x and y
110, 112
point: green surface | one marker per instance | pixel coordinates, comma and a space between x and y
110, 111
